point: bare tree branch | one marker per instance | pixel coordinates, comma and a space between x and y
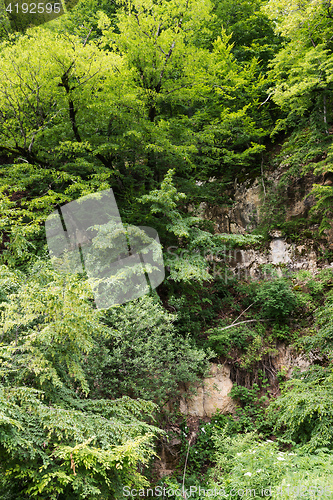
242, 322
241, 314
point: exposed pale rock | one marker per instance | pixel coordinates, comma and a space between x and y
286, 359
292, 257
244, 214
280, 251
211, 394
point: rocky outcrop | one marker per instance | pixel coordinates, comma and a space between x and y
286, 360
211, 394
245, 215
289, 256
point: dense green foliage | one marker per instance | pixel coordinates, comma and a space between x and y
49, 430
170, 103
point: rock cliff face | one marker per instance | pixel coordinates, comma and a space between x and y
245, 215
279, 252
246, 212
242, 217
213, 393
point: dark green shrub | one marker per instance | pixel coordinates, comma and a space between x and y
303, 415
276, 299
281, 332
221, 341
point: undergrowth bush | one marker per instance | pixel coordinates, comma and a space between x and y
276, 298
249, 468
303, 416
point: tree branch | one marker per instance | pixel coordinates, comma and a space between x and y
86, 39
241, 314
265, 101
241, 322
